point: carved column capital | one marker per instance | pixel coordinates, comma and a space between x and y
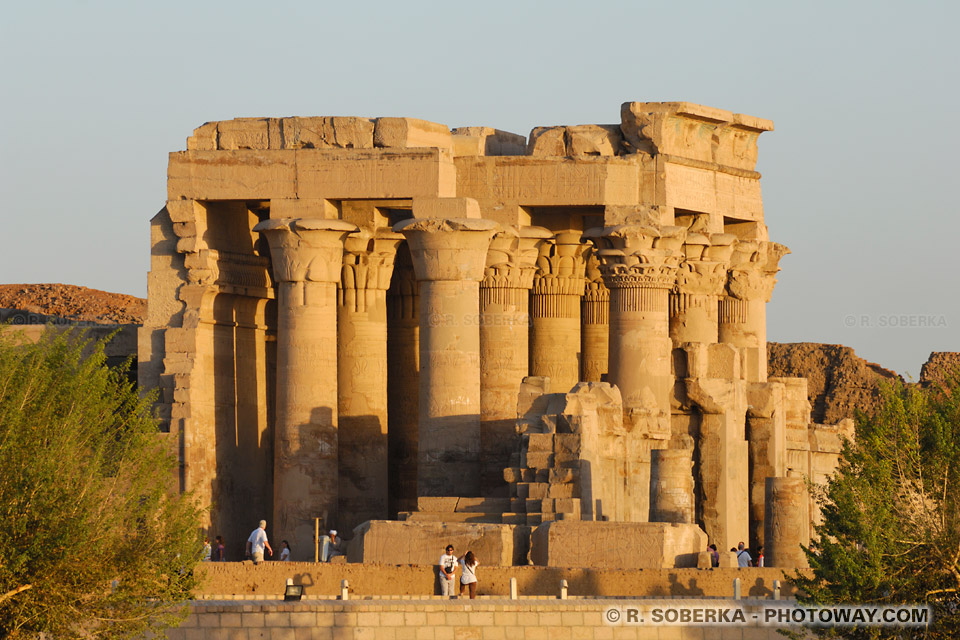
306, 249
595, 289
512, 258
706, 260
753, 269
561, 264
448, 249
368, 259
637, 256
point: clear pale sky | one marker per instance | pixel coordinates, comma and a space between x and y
857, 176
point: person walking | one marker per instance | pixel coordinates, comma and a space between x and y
257, 542
220, 550
284, 551
743, 556
448, 572
469, 576
714, 556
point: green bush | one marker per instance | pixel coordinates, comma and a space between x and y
97, 539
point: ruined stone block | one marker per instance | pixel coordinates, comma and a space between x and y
563, 475
390, 542
537, 459
493, 142
594, 140
616, 545
539, 442
204, 137
411, 132
566, 443
243, 133
547, 141
512, 474
532, 490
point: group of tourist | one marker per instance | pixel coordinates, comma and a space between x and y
257, 544
744, 557
214, 553
448, 570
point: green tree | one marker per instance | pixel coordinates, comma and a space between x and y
96, 539
891, 515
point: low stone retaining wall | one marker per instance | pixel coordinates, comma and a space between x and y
267, 580
492, 619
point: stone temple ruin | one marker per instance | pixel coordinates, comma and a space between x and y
416, 333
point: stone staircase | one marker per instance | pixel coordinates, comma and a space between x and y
545, 486
453, 509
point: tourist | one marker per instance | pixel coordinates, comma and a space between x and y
743, 556
448, 571
207, 549
220, 551
714, 556
760, 556
469, 576
257, 542
284, 551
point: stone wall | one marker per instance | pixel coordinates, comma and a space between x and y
438, 620
239, 579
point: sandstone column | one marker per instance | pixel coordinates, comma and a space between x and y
504, 349
724, 455
743, 313
449, 256
767, 436
403, 377
786, 523
700, 281
555, 311
307, 254
362, 375
671, 482
595, 323
639, 267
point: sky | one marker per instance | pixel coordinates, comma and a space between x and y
857, 177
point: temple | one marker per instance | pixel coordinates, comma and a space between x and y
415, 333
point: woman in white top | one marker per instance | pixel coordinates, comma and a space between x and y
285, 552
469, 576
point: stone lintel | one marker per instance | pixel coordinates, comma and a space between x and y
453, 208
534, 181
335, 174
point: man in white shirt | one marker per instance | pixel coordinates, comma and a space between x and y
257, 542
448, 569
743, 556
